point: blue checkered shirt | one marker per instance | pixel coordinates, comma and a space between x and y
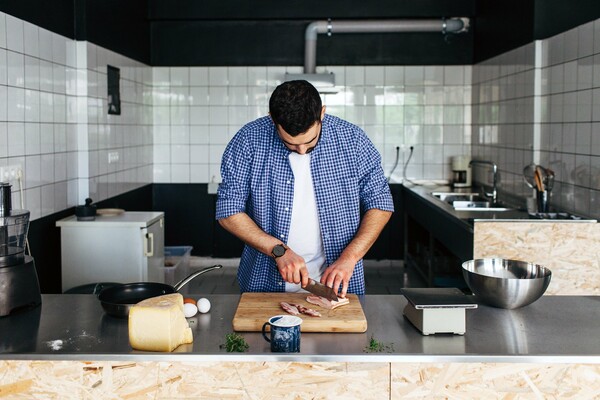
257, 179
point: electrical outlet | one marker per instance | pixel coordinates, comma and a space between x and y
113, 157
213, 187
11, 173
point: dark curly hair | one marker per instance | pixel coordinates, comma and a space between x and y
295, 106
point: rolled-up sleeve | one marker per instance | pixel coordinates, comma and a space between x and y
235, 170
374, 189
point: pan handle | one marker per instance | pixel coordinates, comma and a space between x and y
185, 280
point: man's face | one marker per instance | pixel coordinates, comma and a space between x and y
305, 142
302, 143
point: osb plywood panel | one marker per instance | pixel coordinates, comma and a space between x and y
570, 250
495, 381
177, 380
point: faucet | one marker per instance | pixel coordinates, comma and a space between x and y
494, 193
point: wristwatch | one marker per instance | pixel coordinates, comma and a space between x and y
278, 250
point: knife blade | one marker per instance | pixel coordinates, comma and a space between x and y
319, 289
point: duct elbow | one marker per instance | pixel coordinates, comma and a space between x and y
313, 29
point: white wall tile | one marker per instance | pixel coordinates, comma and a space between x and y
16, 69
3, 140
32, 171
199, 95
3, 103
45, 45
59, 49
2, 30
16, 104
198, 76
179, 76
374, 76
31, 39
32, 106
217, 76
32, 73
238, 76
14, 34
16, 138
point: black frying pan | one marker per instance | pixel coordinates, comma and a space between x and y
117, 300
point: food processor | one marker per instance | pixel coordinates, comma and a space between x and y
19, 286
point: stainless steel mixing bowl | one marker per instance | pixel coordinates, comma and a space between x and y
506, 283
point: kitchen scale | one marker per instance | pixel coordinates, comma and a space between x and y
437, 310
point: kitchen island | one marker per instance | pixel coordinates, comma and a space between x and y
69, 348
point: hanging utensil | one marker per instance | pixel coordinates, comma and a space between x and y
528, 174
539, 185
549, 179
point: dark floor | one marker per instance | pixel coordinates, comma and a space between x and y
381, 277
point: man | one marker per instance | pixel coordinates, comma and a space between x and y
306, 192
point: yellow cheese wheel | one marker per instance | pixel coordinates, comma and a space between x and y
158, 324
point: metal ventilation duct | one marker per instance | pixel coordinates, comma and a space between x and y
444, 26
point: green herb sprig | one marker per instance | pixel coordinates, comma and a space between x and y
234, 343
378, 347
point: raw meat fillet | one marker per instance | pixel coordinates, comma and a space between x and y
326, 303
306, 310
290, 309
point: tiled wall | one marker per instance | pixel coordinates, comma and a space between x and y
570, 123
176, 122
563, 135
198, 110
53, 121
128, 136
503, 113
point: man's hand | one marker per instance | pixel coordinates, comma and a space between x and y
337, 274
292, 268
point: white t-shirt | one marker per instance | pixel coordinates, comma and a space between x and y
305, 232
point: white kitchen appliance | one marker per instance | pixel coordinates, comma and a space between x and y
461, 171
128, 247
437, 310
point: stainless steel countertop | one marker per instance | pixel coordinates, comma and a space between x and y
468, 217
554, 329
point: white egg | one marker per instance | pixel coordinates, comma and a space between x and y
203, 305
189, 310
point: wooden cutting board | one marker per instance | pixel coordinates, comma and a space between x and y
254, 309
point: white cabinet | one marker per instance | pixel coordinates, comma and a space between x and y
123, 248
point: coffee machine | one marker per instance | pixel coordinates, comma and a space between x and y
461, 172
19, 286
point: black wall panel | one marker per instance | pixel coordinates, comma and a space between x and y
312, 9
190, 220
555, 16
57, 15
121, 26
390, 244
239, 43
269, 32
501, 26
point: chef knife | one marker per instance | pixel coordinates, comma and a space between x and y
321, 290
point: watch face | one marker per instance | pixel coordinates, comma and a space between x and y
278, 250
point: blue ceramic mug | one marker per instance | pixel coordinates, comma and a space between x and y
285, 333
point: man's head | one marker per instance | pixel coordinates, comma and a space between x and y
295, 106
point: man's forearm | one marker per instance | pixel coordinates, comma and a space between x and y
369, 230
242, 226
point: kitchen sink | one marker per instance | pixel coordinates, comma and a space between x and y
468, 201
